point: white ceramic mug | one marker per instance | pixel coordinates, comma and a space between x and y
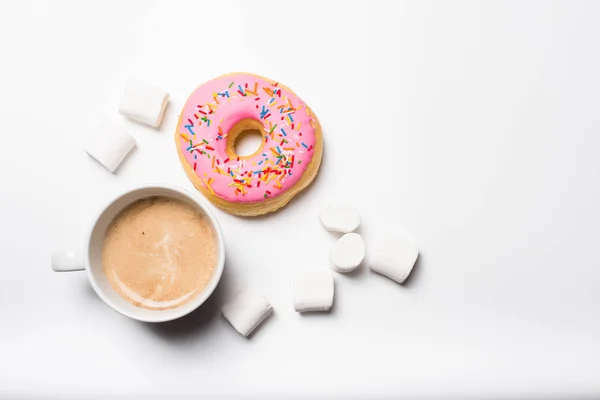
91, 257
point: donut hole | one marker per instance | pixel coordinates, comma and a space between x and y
247, 142
245, 139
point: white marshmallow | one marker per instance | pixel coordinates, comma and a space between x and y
394, 258
109, 145
144, 103
347, 253
246, 311
313, 290
340, 218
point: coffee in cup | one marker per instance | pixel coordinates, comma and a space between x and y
160, 252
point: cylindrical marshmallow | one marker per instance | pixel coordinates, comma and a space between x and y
313, 290
144, 103
340, 218
347, 252
394, 258
246, 311
109, 145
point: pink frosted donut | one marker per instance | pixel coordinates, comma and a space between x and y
287, 161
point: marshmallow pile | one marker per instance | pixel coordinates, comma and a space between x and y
393, 257
110, 144
313, 288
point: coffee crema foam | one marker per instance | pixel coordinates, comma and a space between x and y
159, 253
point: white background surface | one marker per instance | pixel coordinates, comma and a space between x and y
472, 129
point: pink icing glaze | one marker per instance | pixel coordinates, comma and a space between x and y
289, 138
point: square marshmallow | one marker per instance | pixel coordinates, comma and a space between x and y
246, 311
313, 290
394, 258
109, 145
144, 103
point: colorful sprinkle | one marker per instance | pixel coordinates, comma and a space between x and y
208, 185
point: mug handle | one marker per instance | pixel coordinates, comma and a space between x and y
63, 261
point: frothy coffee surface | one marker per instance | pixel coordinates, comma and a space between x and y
159, 253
